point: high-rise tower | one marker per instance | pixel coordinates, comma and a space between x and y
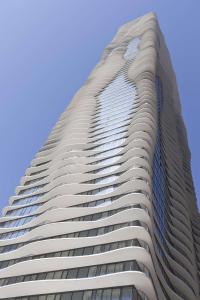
107, 208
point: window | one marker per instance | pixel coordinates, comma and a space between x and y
110, 132
102, 180
82, 272
110, 127
34, 180
106, 161
126, 293
108, 153
87, 295
111, 137
106, 170
100, 191
28, 200
66, 296
23, 211
109, 145
132, 49
84, 233
31, 190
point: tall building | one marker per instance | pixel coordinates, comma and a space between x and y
107, 209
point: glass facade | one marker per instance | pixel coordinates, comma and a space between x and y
159, 172
121, 293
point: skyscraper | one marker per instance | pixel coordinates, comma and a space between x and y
107, 208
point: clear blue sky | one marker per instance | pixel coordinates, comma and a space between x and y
47, 50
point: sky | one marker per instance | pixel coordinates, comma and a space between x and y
49, 47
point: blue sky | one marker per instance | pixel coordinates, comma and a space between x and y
49, 47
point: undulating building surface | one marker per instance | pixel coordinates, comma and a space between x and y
107, 209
